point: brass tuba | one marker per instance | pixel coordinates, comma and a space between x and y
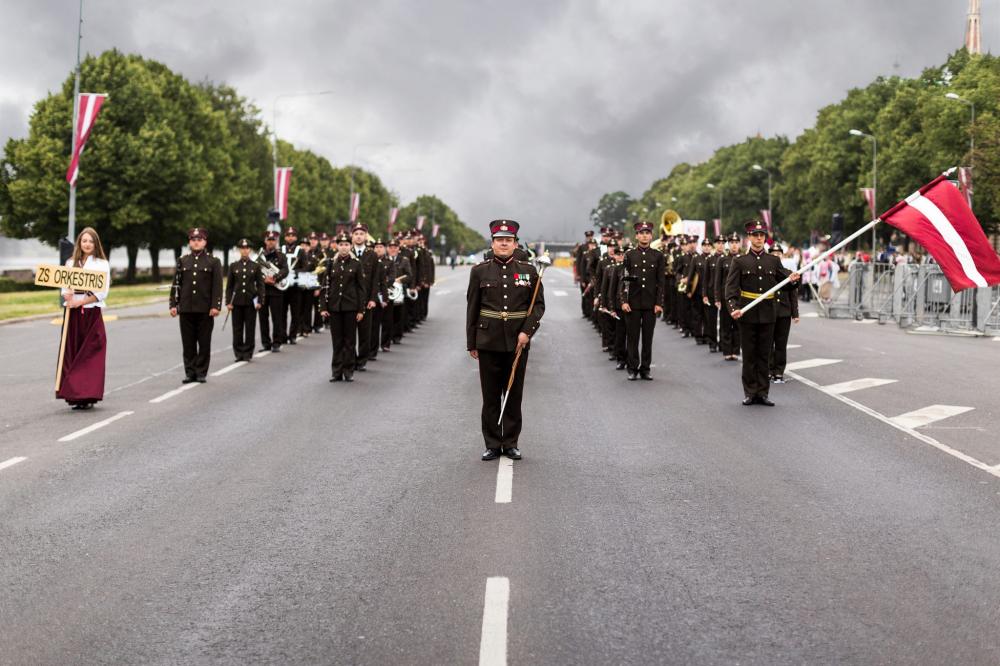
667, 221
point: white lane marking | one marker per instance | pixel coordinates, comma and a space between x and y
811, 363
91, 428
996, 339
169, 394
505, 481
229, 368
809, 315
865, 321
493, 644
991, 469
858, 384
793, 346
157, 374
261, 353
929, 414
559, 292
442, 292
10, 462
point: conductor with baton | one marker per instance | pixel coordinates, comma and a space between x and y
505, 307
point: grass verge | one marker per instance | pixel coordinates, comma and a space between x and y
27, 303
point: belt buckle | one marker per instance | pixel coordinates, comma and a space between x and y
503, 315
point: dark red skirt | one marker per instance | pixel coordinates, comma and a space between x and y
83, 363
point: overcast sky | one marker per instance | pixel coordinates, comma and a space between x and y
529, 109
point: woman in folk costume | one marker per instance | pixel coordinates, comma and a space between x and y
82, 382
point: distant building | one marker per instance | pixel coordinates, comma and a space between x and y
973, 30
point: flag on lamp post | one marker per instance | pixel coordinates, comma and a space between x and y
717, 223
282, 183
89, 105
869, 194
965, 182
434, 230
355, 206
393, 214
938, 217
765, 215
420, 222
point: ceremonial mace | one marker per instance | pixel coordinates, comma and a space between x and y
545, 262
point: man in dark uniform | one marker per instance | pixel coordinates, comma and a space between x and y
788, 312
294, 258
604, 296
669, 282
370, 276
750, 276
696, 291
681, 267
318, 253
403, 274
197, 297
583, 275
306, 264
272, 315
343, 298
641, 294
382, 313
709, 298
412, 254
579, 269
497, 324
729, 330
244, 297
427, 276
614, 304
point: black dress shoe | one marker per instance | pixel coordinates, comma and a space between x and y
633, 375
361, 368
513, 454
200, 380
765, 401
275, 349
337, 378
187, 380
490, 454
385, 349
686, 335
292, 341
348, 378
749, 401
646, 376
621, 366
265, 348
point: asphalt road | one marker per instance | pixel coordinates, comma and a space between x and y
269, 516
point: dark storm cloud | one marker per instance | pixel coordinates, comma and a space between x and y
520, 108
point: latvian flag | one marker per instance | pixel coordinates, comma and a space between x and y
282, 183
765, 215
938, 217
393, 214
434, 230
420, 222
89, 105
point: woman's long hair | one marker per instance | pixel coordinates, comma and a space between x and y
78, 257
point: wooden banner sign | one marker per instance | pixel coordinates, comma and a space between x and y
64, 277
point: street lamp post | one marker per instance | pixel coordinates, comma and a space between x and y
770, 214
712, 186
855, 132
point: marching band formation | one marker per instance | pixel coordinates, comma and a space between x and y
369, 294
624, 287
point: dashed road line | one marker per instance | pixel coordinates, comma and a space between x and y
978, 464
809, 315
169, 394
930, 414
865, 321
505, 481
811, 363
10, 462
261, 354
793, 347
228, 368
442, 292
559, 292
91, 428
493, 643
858, 384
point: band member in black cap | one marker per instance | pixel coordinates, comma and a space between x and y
370, 277
403, 274
788, 312
579, 253
641, 293
295, 256
342, 299
750, 276
729, 330
382, 313
244, 296
197, 297
497, 324
272, 315
710, 298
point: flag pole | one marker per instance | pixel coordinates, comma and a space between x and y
781, 285
71, 225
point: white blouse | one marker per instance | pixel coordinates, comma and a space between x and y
95, 264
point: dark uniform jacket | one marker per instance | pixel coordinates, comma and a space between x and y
342, 287
578, 254
296, 258
597, 272
244, 282
370, 273
427, 273
197, 283
721, 273
608, 298
387, 274
694, 268
611, 298
788, 303
416, 265
401, 270
643, 285
682, 265
278, 259
498, 299
753, 274
708, 278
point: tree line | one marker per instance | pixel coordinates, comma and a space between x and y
166, 154
920, 134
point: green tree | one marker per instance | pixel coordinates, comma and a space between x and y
613, 210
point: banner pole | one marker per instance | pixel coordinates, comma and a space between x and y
62, 348
781, 285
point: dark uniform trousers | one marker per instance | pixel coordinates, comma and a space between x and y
364, 335
756, 340
494, 372
273, 310
388, 325
711, 323
343, 330
196, 342
779, 351
669, 302
640, 323
293, 312
620, 350
308, 308
378, 321
697, 316
244, 322
586, 302
729, 333
607, 329
398, 321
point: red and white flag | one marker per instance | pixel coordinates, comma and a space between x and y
717, 223
393, 214
434, 230
420, 222
765, 215
355, 206
89, 107
869, 194
965, 182
938, 217
282, 183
